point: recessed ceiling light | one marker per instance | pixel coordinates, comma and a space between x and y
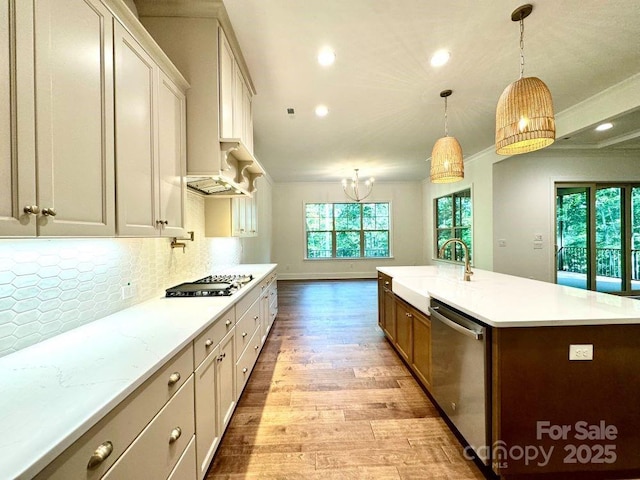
322, 110
326, 57
604, 126
440, 58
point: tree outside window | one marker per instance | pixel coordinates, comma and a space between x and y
347, 230
453, 219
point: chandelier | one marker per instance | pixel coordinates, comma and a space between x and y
352, 190
524, 115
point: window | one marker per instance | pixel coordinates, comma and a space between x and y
598, 236
453, 220
347, 230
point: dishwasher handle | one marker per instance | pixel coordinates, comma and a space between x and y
455, 325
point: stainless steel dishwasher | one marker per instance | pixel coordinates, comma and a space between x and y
460, 374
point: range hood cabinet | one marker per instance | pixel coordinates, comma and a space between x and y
237, 175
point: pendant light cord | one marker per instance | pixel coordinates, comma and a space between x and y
521, 47
446, 127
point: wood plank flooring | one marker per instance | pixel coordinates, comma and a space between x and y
330, 399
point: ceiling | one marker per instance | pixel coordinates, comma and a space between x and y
385, 111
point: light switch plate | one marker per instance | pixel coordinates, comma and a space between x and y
580, 352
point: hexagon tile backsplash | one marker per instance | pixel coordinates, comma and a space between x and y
48, 286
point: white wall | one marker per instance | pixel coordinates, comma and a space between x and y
289, 229
524, 202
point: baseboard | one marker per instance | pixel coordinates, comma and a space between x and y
326, 275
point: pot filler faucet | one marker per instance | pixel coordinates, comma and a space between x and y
467, 267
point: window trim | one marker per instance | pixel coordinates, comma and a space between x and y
434, 252
333, 233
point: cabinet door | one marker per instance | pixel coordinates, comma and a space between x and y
226, 85
17, 122
74, 117
225, 371
238, 218
207, 431
404, 329
389, 314
422, 347
247, 117
136, 148
238, 101
171, 157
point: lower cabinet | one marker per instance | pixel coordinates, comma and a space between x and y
185, 469
215, 396
170, 427
91, 456
163, 440
404, 329
421, 360
407, 328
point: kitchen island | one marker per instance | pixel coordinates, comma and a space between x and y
561, 383
56, 393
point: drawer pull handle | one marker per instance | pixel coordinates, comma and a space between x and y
208, 343
100, 455
227, 323
245, 370
175, 435
386, 283
221, 357
173, 379
244, 334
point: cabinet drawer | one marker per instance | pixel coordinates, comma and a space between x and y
247, 360
207, 340
185, 469
246, 327
160, 445
123, 424
245, 302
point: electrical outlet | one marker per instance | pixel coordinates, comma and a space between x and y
580, 352
127, 291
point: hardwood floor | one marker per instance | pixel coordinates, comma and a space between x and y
330, 399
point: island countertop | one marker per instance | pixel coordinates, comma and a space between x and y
501, 300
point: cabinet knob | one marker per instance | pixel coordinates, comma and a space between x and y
49, 212
208, 343
31, 209
245, 370
173, 379
256, 347
175, 435
244, 334
166, 222
100, 455
256, 317
221, 357
227, 323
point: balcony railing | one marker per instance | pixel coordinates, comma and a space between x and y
608, 261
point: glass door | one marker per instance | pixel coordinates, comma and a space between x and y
635, 239
572, 236
609, 239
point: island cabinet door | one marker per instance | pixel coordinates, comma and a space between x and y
389, 314
404, 330
422, 348
574, 415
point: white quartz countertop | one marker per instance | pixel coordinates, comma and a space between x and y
53, 392
503, 300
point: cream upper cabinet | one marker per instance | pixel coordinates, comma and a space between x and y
172, 156
150, 147
231, 217
66, 135
227, 87
235, 97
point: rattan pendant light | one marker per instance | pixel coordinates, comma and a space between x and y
447, 165
524, 115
